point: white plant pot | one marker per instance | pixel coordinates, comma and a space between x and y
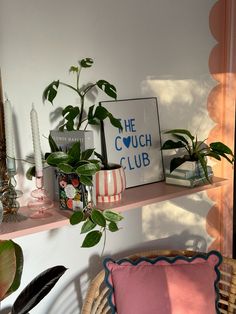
110, 184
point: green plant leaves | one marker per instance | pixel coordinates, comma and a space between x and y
221, 148
113, 226
86, 154
76, 217
109, 89
112, 216
30, 173
11, 265
74, 69
86, 63
169, 144
75, 152
92, 238
87, 169
86, 180
56, 158
98, 218
176, 162
65, 168
88, 226
70, 113
50, 91
180, 131
37, 289
52, 144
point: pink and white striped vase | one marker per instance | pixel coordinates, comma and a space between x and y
110, 184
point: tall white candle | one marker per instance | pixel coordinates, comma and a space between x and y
36, 143
9, 135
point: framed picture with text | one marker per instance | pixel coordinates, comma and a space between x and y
138, 146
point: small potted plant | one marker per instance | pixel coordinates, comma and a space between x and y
76, 118
76, 169
195, 151
110, 179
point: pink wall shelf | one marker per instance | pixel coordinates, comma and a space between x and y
132, 198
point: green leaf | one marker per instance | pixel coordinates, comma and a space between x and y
101, 113
109, 89
56, 158
37, 289
214, 155
30, 173
65, 168
203, 163
75, 151
180, 131
52, 144
112, 216
98, 156
19, 268
86, 63
86, 154
76, 217
115, 122
221, 148
92, 238
169, 144
176, 162
87, 169
74, 69
181, 138
87, 226
50, 91
113, 226
7, 267
98, 218
70, 112
86, 180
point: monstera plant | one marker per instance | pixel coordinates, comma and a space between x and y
195, 150
76, 116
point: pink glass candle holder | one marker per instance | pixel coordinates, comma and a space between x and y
40, 202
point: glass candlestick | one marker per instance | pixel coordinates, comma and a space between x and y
40, 202
9, 201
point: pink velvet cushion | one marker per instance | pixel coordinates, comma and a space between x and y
164, 285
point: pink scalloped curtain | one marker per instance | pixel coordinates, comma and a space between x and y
221, 108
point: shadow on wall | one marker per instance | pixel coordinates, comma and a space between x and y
70, 299
184, 99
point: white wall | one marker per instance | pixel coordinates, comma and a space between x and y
154, 48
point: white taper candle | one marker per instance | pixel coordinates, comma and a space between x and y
36, 143
9, 135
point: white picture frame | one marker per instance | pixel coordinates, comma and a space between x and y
138, 147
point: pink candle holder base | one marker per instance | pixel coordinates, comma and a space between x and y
40, 202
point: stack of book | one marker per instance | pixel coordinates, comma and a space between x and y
188, 174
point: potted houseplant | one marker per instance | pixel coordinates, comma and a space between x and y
195, 151
78, 163
77, 118
110, 179
11, 260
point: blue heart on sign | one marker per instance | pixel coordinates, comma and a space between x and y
126, 141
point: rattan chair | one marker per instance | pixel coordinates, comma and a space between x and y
96, 298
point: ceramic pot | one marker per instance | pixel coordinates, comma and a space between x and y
110, 184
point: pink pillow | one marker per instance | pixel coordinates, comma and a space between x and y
164, 285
